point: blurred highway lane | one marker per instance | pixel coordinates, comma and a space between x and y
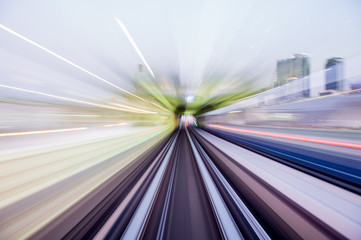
290, 203
39, 183
337, 161
341, 138
153, 182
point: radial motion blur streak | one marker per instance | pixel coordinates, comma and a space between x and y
180, 119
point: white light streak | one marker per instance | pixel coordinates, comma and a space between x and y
121, 105
127, 34
126, 108
66, 60
83, 69
113, 125
40, 132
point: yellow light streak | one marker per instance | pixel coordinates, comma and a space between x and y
158, 106
126, 108
234, 111
40, 132
71, 115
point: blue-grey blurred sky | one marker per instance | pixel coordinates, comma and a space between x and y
192, 39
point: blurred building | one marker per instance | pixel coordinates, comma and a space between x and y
297, 71
334, 74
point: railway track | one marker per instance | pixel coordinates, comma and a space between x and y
195, 185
